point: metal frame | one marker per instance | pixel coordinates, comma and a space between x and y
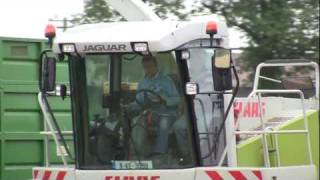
264, 132
286, 62
48, 125
283, 63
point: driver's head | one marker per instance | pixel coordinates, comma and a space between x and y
150, 66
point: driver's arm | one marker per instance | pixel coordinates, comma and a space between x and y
171, 95
141, 85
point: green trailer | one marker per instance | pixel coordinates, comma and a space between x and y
21, 122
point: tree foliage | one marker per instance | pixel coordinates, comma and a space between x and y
275, 28
96, 11
167, 8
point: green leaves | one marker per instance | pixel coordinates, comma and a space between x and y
275, 28
97, 11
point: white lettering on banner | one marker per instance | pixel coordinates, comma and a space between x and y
251, 110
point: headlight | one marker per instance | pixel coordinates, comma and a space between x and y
68, 48
140, 47
185, 54
192, 88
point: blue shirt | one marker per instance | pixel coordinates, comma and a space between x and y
163, 86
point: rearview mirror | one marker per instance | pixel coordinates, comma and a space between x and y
221, 70
47, 74
222, 59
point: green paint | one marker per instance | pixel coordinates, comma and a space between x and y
21, 145
293, 148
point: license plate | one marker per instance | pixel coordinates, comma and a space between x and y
132, 165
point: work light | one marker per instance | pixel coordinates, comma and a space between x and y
192, 88
185, 54
140, 47
68, 48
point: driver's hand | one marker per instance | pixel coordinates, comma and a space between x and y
161, 99
132, 109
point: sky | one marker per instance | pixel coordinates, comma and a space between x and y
28, 18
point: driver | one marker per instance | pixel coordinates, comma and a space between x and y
159, 83
163, 92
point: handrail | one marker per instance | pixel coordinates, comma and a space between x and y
266, 131
287, 62
56, 132
48, 120
272, 132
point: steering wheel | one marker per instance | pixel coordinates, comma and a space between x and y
154, 101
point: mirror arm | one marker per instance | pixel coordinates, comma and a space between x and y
61, 90
50, 42
211, 40
236, 76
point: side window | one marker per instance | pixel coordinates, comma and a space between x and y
200, 68
208, 109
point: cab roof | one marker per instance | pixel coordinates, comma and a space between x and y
160, 35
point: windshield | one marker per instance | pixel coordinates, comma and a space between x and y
137, 117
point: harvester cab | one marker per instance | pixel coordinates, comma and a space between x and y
150, 100
143, 93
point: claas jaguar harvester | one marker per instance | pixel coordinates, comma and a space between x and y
154, 100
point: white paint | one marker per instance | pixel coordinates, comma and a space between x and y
183, 174
70, 173
133, 10
161, 36
200, 173
281, 173
229, 129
